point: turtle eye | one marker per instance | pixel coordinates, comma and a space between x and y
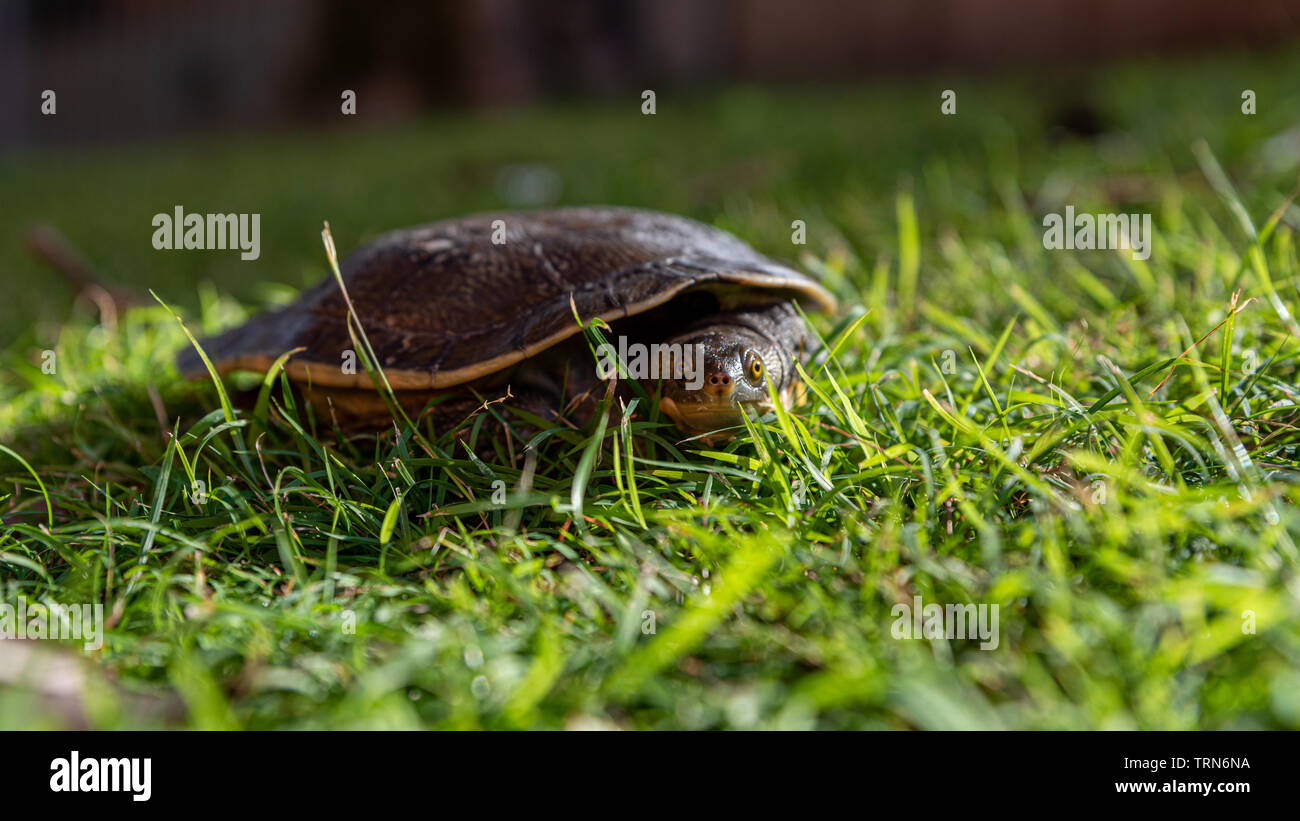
753, 366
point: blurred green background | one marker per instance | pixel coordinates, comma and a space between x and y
747, 158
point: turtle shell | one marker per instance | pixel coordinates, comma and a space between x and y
443, 304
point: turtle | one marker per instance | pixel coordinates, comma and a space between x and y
488, 306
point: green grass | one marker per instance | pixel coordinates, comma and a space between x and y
994, 424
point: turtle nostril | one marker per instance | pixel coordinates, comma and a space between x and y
720, 381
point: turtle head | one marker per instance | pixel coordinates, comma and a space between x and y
710, 374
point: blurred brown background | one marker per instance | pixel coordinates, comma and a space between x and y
130, 68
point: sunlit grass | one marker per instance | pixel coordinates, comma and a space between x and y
991, 422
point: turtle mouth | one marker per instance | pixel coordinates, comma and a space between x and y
705, 416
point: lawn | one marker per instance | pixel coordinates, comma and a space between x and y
1104, 447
